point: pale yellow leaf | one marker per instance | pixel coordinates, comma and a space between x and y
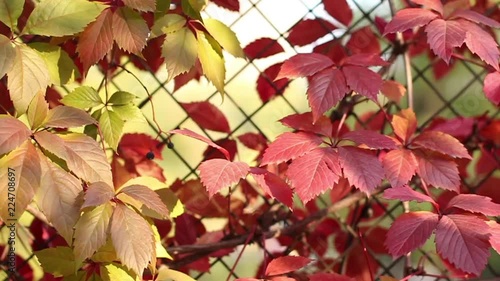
12, 133
132, 238
91, 231
67, 117
58, 261
97, 194
51, 142
167, 24
130, 30
59, 198
28, 75
114, 272
106, 252
37, 110
179, 51
62, 69
7, 54
212, 62
112, 127
86, 159
141, 5
167, 274
10, 10
147, 197
62, 17
225, 36
23, 164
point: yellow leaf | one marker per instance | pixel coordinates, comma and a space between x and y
37, 110
91, 231
7, 54
62, 69
12, 133
167, 24
106, 253
225, 36
114, 271
58, 198
132, 238
130, 30
179, 51
22, 168
58, 261
112, 127
150, 182
10, 10
166, 274
28, 75
212, 62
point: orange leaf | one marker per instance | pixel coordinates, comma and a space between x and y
12, 133
130, 31
97, 194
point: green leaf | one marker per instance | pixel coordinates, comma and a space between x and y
179, 51
113, 271
91, 130
197, 5
82, 97
167, 24
79, 276
58, 261
190, 10
167, 274
61, 67
10, 10
212, 62
112, 127
7, 55
121, 98
225, 36
129, 112
162, 7
62, 17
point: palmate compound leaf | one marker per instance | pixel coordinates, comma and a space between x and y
273, 185
321, 165
212, 60
303, 65
180, 52
96, 40
27, 76
409, 18
189, 133
147, 197
325, 90
438, 171
130, 30
207, 116
61, 17
67, 117
399, 166
476, 204
10, 10
443, 36
25, 164
216, 174
12, 133
443, 143
132, 238
370, 139
410, 231
289, 146
406, 193
58, 197
286, 264
361, 167
491, 87
97, 194
91, 231
464, 241
7, 54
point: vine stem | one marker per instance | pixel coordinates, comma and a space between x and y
365, 252
241, 252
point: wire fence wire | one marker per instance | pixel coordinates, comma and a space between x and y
457, 94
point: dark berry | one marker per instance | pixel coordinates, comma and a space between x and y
170, 145
150, 155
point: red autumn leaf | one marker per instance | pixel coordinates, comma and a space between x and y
409, 18
267, 85
130, 30
151, 54
339, 10
476, 204
255, 141
231, 5
442, 143
325, 90
435, 5
136, 146
149, 168
365, 60
189, 133
492, 87
404, 124
360, 265
459, 127
399, 166
263, 48
96, 39
361, 168
476, 17
438, 171
333, 49
304, 122
364, 40
393, 90
218, 173
273, 185
207, 116
286, 264
228, 144
309, 30
406, 193
495, 235
329, 277
322, 168
289, 146
303, 65
363, 80
410, 231
464, 241
370, 138
443, 36
481, 43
